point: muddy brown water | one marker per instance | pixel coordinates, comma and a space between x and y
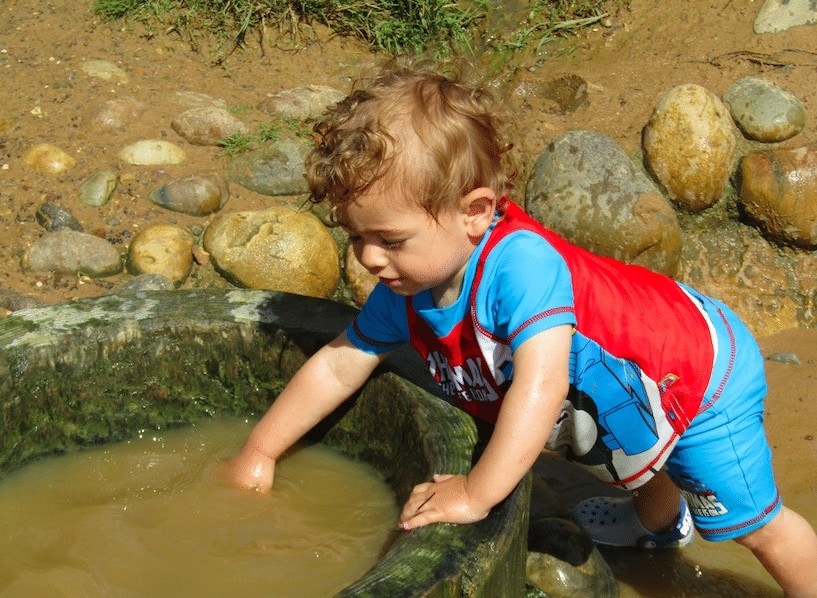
648, 49
152, 517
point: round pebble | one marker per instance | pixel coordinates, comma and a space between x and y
98, 188
196, 195
163, 249
207, 125
763, 111
102, 69
53, 218
48, 158
152, 152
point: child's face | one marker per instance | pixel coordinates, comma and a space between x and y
408, 250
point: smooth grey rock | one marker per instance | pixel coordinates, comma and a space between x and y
274, 170
53, 218
302, 103
763, 111
207, 125
72, 252
584, 187
98, 188
779, 15
196, 194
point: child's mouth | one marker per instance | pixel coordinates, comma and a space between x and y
390, 282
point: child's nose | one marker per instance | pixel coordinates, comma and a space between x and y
371, 257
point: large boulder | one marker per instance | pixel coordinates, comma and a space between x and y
778, 190
689, 145
585, 188
277, 249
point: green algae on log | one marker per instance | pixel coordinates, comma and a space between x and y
102, 370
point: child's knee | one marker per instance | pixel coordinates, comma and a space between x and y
784, 524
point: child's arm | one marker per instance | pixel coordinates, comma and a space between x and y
529, 412
327, 379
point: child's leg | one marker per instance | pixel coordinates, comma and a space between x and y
787, 548
657, 503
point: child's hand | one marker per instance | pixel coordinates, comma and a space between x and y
445, 500
251, 470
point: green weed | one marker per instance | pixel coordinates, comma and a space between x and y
439, 28
270, 131
237, 143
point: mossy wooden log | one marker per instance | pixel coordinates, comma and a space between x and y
101, 370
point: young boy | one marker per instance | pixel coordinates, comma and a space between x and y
648, 383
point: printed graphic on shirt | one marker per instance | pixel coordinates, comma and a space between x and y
612, 421
465, 382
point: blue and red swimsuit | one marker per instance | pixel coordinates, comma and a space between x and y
649, 358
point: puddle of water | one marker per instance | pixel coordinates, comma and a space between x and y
724, 570
152, 517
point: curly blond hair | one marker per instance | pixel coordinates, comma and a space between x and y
429, 137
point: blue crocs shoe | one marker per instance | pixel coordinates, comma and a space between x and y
613, 522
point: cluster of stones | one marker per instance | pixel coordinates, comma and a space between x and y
699, 153
583, 186
279, 248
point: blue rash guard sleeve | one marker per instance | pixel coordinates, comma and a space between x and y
382, 324
526, 289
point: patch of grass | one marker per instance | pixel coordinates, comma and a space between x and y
391, 26
396, 27
237, 143
273, 130
270, 131
239, 109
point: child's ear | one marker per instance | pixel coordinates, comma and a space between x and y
478, 208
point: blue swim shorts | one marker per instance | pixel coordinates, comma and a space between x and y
722, 462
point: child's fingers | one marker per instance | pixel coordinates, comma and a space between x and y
416, 503
419, 520
251, 472
418, 512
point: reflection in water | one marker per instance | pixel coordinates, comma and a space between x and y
152, 517
700, 569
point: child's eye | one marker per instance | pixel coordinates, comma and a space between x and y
392, 244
